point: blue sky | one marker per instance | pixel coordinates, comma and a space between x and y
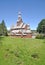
33, 11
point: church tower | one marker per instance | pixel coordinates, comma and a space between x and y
19, 21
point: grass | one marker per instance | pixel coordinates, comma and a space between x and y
21, 51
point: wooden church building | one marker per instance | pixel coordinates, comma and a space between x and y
20, 29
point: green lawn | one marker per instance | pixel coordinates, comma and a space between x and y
20, 51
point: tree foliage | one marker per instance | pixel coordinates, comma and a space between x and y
41, 26
3, 29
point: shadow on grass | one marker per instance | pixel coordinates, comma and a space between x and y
35, 55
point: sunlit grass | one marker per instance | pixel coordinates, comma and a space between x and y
22, 51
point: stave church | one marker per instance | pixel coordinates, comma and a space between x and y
20, 29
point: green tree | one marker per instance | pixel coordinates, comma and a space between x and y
0, 29
41, 26
3, 29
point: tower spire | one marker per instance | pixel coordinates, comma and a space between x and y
19, 16
19, 20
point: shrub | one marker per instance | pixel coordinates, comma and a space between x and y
40, 36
